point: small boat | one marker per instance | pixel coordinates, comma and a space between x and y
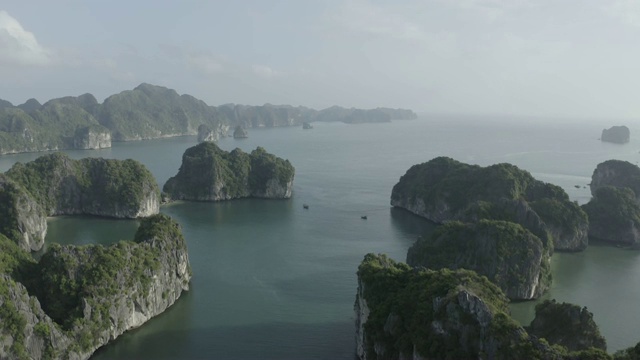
363, 217
305, 206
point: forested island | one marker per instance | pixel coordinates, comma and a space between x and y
209, 173
149, 112
499, 228
76, 299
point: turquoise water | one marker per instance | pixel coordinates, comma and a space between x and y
273, 280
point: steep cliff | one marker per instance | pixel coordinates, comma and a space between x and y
150, 111
90, 295
616, 134
616, 173
568, 325
444, 189
22, 218
208, 173
507, 254
614, 216
402, 313
92, 137
205, 133
240, 133
92, 186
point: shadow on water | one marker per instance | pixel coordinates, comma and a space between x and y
305, 341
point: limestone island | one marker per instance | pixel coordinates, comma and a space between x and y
307, 126
407, 313
55, 185
506, 253
444, 189
208, 173
150, 112
240, 133
78, 298
616, 134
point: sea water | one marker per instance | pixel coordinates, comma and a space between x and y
273, 280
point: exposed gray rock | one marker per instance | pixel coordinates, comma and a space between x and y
146, 286
92, 137
22, 219
506, 253
205, 133
240, 133
209, 173
614, 216
568, 325
616, 173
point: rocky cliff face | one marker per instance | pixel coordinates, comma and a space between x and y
22, 219
208, 173
616, 134
443, 189
240, 133
93, 294
424, 314
506, 253
112, 188
205, 133
567, 325
616, 173
92, 137
614, 216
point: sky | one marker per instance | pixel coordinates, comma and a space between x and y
556, 58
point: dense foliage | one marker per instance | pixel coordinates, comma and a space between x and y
613, 206
92, 185
568, 325
618, 173
444, 189
210, 173
506, 253
428, 318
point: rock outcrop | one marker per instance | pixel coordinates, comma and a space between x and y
149, 112
90, 186
614, 216
92, 137
402, 313
22, 218
618, 173
208, 173
77, 299
443, 189
568, 325
507, 254
240, 133
307, 125
616, 134
57, 185
205, 133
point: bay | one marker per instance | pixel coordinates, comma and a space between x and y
275, 281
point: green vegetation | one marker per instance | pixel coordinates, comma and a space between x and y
89, 186
613, 207
210, 173
568, 325
618, 173
265, 166
565, 215
506, 253
405, 304
444, 189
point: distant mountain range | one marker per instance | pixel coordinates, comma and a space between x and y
149, 112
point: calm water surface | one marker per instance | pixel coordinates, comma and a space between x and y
275, 281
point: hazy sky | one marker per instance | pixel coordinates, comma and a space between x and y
578, 58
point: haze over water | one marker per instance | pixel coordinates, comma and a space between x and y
273, 280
